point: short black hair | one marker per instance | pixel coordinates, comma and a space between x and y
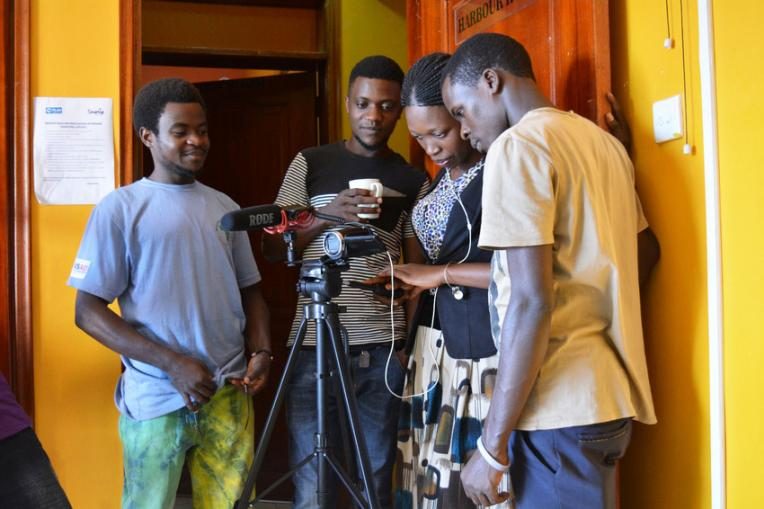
486, 51
152, 98
421, 85
378, 67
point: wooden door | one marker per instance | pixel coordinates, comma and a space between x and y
256, 127
6, 158
568, 41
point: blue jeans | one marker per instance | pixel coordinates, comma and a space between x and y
568, 468
377, 413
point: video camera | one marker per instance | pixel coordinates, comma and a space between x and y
355, 240
351, 242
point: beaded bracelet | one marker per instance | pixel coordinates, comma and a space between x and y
263, 350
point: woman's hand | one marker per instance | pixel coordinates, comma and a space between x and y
419, 275
415, 278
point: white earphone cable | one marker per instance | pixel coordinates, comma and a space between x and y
434, 306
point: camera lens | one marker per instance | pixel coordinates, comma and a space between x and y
350, 243
334, 245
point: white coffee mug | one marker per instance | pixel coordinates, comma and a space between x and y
376, 188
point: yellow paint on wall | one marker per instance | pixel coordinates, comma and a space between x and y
667, 465
373, 27
75, 51
740, 73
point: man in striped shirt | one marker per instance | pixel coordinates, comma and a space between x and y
319, 177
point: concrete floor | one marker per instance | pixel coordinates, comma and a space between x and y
185, 503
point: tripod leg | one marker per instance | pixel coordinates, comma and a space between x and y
270, 422
351, 409
323, 478
348, 451
349, 483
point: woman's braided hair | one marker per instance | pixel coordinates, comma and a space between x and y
421, 85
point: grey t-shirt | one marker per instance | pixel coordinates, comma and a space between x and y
158, 250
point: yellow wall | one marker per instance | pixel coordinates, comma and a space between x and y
740, 73
667, 465
373, 27
75, 52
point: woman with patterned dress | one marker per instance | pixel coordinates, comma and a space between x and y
453, 361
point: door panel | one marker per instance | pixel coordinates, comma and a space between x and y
256, 127
568, 41
6, 218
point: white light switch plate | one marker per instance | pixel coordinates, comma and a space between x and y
667, 119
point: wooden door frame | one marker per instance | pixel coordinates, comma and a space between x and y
17, 147
129, 71
132, 55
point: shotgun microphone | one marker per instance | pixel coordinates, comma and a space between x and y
251, 218
262, 216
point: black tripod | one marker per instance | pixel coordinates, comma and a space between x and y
320, 280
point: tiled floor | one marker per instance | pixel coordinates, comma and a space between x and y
185, 503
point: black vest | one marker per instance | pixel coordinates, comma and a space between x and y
465, 323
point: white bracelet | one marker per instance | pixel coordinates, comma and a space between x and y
492, 462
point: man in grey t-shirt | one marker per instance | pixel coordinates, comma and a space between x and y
194, 328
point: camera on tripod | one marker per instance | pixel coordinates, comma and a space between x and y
351, 242
320, 282
320, 278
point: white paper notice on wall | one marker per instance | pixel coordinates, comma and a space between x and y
73, 150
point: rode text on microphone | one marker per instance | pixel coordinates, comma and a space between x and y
271, 218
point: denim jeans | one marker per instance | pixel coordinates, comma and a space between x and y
377, 413
27, 480
568, 468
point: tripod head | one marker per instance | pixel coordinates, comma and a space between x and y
320, 279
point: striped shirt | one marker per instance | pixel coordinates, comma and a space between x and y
314, 178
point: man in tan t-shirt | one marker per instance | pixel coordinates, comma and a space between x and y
561, 213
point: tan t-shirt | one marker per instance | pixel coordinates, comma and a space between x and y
556, 178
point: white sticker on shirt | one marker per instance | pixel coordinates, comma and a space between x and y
80, 268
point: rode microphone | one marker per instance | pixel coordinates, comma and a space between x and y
251, 218
266, 217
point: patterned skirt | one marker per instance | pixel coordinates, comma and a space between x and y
441, 418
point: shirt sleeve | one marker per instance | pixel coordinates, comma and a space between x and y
294, 189
247, 272
641, 219
519, 196
102, 265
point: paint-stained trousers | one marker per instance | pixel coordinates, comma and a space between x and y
217, 441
